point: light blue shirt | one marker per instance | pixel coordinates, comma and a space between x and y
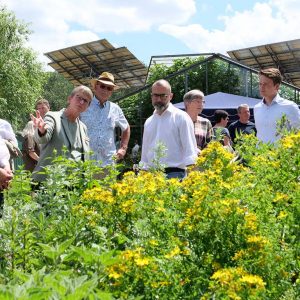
267, 116
101, 122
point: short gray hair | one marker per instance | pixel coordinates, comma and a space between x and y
239, 109
84, 89
191, 95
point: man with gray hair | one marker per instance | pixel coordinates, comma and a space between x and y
242, 125
194, 103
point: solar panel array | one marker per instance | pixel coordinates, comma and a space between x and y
80, 63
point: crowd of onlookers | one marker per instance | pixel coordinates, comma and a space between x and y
86, 128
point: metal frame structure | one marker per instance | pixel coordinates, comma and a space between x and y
80, 63
208, 57
283, 55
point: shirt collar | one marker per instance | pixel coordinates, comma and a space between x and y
170, 108
275, 100
96, 101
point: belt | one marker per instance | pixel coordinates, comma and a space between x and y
171, 170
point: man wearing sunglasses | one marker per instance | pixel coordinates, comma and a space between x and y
101, 119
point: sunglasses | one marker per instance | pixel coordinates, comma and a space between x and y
105, 87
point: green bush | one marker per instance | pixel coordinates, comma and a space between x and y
227, 231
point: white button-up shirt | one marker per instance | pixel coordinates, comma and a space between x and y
175, 130
267, 116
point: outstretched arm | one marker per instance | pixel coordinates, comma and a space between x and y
39, 123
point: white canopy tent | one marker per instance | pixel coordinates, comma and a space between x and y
224, 101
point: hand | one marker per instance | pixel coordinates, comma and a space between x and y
38, 122
5, 177
120, 153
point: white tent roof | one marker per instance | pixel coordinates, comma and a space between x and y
223, 100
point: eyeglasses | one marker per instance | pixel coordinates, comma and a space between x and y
200, 101
105, 87
81, 99
161, 96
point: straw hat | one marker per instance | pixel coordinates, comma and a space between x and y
105, 78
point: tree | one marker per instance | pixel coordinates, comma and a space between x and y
21, 76
56, 90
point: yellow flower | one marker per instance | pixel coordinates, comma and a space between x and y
98, 194
127, 206
141, 262
239, 254
251, 221
282, 215
257, 241
174, 252
281, 198
114, 275
153, 242
253, 281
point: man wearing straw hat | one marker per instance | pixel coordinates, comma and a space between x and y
101, 119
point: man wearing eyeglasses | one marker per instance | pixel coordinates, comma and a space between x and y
101, 119
174, 129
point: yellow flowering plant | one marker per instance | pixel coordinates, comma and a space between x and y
230, 230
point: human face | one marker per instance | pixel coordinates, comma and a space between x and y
161, 97
267, 88
196, 105
103, 91
224, 122
80, 101
43, 109
244, 115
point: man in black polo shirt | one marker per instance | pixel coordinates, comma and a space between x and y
243, 125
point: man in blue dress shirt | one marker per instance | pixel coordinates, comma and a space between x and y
101, 119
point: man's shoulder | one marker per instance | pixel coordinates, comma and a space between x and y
179, 112
250, 123
259, 104
4, 122
286, 102
234, 124
114, 105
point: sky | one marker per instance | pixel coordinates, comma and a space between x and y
158, 27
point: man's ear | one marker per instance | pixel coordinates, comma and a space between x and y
171, 96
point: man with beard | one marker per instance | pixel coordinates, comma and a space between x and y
171, 127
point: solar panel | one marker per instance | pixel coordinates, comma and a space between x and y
80, 63
283, 55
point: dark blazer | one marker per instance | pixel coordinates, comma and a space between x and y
57, 136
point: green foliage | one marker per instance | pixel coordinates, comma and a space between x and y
21, 76
227, 231
56, 90
213, 76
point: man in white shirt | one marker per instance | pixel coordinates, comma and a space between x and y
272, 108
171, 127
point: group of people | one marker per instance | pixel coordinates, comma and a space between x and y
89, 121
